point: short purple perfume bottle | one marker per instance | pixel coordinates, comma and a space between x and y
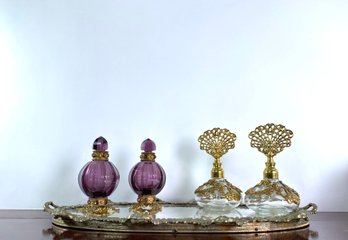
99, 177
147, 178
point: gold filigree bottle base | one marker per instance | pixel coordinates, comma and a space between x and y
147, 205
218, 194
272, 197
98, 207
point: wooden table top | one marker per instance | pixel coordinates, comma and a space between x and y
36, 224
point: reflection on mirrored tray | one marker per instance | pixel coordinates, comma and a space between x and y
188, 210
170, 211
59, 233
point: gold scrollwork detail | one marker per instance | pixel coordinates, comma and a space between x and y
147, 204
267, 187
217, 142
214, 188
270, 139
98, 207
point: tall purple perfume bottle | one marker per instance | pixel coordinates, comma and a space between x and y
99, 178
147, 178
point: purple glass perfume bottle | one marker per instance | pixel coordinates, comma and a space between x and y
99, 177
147, 178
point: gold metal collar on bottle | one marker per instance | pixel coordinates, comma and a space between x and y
100, 155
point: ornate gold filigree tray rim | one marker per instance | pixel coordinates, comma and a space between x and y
222, 224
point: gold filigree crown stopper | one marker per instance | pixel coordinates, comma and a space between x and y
270, 139
217, 142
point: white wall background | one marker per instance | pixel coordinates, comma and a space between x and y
72, 70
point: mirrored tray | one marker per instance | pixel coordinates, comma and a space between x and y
177, 218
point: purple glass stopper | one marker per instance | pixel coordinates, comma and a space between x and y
147, 178
100, 144
148, 145
98, 179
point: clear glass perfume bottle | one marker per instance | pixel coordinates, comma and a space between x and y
217, 193
271, 196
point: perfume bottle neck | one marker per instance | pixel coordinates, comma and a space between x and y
217, 171
270, 171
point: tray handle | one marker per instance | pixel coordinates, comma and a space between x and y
311, 208
50, 207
